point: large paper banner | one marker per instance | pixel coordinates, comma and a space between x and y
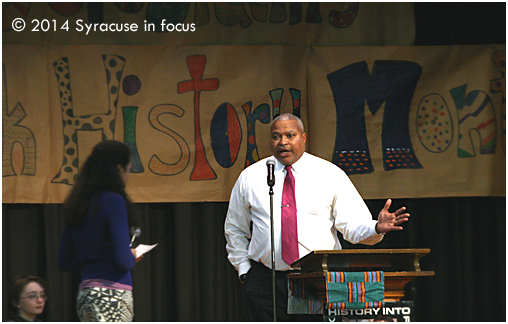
401, 121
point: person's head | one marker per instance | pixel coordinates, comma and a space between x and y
27, 297
287, 138
107, 168
383, 318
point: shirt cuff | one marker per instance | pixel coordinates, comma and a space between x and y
374, 230
244, 267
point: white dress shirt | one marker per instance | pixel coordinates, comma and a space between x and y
326, 201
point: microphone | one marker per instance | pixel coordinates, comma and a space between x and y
135, 232
270, 163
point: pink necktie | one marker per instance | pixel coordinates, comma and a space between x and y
289, 228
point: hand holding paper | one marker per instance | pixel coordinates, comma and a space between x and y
143, 248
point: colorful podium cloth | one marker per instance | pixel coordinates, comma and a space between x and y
354, 290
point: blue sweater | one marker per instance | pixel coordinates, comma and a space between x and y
100, 246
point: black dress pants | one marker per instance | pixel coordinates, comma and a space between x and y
259, 297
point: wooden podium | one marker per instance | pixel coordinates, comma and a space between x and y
400, 267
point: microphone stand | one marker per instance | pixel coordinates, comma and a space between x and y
273, 252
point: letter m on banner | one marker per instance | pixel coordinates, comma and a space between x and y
392, 83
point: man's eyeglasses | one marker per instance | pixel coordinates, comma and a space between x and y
34, 297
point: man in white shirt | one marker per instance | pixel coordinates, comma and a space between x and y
326, 201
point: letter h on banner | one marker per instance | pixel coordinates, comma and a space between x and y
113, 66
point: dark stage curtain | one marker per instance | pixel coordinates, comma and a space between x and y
460, 23
188, 277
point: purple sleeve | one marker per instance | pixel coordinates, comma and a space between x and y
67, 259
116, 212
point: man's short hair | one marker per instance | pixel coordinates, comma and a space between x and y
289, 116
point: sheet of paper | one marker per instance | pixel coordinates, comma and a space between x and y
143, 248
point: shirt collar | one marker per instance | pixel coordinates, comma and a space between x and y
298, 165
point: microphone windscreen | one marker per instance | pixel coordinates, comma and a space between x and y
136, 231
270, 161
